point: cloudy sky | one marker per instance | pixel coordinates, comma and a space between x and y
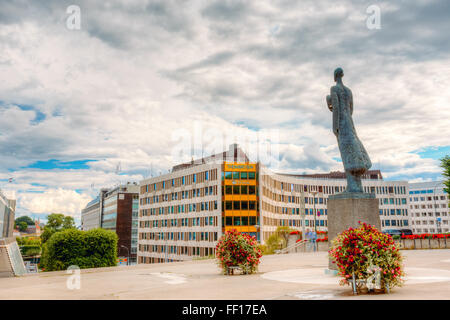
143, 85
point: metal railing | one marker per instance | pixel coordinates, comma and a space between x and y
294, 246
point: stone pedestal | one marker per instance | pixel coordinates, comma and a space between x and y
346, 209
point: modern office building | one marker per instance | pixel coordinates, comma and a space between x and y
116, 209
11, 262
183, 213
429, 207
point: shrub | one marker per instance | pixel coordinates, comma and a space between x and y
86, 249
365, 250
238, 249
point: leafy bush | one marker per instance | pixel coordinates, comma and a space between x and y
86, 249
364, 251
238, 249
278, 240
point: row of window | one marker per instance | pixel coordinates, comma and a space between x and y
431, 214
180, 181
240, 205
182, 208
237, 175
393, 212
394, 223
184, 222
415, 199
431, 222
179, 250
183, 236
295, 223
238, 190
186, 194
240, 221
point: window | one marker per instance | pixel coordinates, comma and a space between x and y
228, 175
237, 221
228, 205
183, 180
236, 205
206, 175
252, 205
251, 190
245, 221
236, 175
228, 189
236, 190
244, 175
244, 205
252, 221
251, 175
244, 190
194, 177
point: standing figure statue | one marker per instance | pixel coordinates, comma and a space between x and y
354, 157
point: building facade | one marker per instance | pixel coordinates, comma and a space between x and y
429, 207
116, 209
7, 212
183, 213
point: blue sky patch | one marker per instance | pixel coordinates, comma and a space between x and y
39, 115
434, 152
57, 164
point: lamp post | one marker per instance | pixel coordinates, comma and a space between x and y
314, 206
128, 253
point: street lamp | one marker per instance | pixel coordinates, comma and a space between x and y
314, 206
128, 253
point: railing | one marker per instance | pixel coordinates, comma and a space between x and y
294, 246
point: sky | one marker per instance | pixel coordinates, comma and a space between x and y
141, 86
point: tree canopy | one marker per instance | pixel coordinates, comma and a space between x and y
445, 164
56, 222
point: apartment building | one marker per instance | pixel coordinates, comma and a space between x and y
183, 213
116, 209
429, 207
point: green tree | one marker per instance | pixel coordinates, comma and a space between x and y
22, 226
56, 222
23, 221
445, 164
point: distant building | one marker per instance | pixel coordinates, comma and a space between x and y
429, 207
34, 229
11, 262
116, 209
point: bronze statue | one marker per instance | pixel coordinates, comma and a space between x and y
354, 157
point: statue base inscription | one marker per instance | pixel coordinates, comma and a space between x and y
346, 209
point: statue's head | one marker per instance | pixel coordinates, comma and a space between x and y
338, 73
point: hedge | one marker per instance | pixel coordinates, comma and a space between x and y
86, 249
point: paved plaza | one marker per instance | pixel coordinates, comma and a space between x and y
288, 276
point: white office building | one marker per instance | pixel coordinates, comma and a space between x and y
429, 207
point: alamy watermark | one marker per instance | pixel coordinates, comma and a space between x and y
73, 21
74, 281
373, 21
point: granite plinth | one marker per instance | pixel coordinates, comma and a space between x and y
346, 209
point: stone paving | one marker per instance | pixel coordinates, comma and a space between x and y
288, 276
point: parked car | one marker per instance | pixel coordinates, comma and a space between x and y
398, 232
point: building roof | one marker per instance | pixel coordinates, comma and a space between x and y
370, 175
234, 154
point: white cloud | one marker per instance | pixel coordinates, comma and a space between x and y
58, 200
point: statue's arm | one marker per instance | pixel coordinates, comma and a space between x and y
335, 106
351, 101
330, 106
